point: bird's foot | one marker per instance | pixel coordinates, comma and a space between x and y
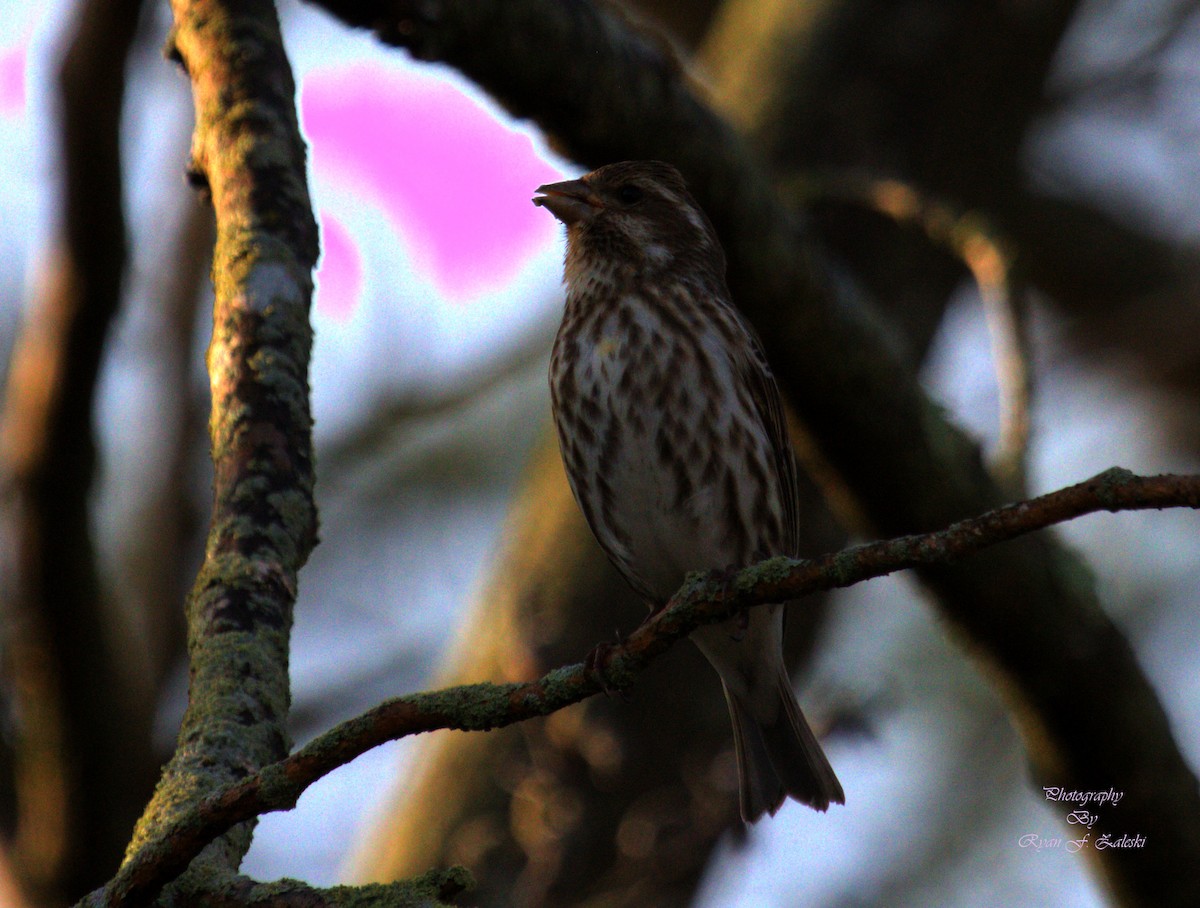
596, 663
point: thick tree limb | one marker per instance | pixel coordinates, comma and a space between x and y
701, 600
248, 151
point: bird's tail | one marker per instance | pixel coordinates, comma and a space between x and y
779, 759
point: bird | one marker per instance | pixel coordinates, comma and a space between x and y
672, 433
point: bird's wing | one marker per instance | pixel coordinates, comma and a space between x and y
760, 380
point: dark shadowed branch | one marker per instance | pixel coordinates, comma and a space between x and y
82, 761
989, 256
703, 599
980, 81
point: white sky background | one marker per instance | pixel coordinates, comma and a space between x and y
429, 283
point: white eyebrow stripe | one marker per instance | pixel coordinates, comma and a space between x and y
689, 209
696, 220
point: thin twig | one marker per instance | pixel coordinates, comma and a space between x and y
990, 258
703, 599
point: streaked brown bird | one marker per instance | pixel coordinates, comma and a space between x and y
673, 437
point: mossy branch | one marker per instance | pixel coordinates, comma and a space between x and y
435, 889
703, 599
248, 153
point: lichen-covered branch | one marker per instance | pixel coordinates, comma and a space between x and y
430, 890
248, 151
702, 600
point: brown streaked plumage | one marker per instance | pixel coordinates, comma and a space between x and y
673, 438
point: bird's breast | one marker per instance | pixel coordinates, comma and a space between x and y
651, 428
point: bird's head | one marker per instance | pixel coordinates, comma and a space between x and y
635, 217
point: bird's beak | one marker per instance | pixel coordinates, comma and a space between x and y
569, 201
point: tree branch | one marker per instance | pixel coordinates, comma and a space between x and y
703, 599
248, 151
990, 258
430, 890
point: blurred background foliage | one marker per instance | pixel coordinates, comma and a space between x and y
450, 547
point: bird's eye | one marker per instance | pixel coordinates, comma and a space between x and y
629, 194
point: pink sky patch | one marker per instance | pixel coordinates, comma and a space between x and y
454, 181
339, 276
12, 80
